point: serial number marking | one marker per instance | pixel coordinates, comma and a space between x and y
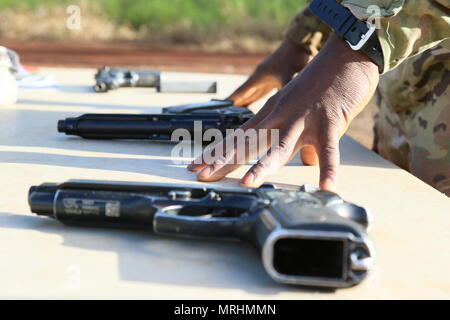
91, 207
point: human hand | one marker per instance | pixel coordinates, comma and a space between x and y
311, 113
273, 73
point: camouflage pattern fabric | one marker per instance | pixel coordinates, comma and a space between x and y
406, 28
412, 128
308, 32
413, 125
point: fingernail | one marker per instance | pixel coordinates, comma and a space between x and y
205, 173
248, 179
191, 166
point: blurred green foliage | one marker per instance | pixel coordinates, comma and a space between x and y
264, 17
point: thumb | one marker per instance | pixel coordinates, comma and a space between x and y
255, 88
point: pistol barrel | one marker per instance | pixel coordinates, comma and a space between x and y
115, 126
150, 126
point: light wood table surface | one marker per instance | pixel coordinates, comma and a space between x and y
41, 258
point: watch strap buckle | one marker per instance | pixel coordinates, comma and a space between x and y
358, 34
364, 37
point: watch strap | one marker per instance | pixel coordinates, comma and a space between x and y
351, 29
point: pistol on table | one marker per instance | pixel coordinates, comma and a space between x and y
306, 237
214, 114
108, 78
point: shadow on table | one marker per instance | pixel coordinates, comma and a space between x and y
37, 128
90, 90
100, 106
144, 257
153, 167
32, 138
355, 154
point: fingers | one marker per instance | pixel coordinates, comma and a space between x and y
200, 163
239, 149
246, 95
325, 153
219, 165
309, 155
276, 157
212, 154
255, 88
329, 161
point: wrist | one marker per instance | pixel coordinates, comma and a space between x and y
350, 60
339, 79
356, 75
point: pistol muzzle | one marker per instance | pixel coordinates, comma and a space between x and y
41, 198
67, 126
100, 87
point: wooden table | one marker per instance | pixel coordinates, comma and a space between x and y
40, 258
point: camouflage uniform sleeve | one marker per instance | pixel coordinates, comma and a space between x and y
407, 27
308, 32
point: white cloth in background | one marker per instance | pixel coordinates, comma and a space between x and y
9, 66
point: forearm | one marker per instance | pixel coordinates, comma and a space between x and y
310, 113
339, 78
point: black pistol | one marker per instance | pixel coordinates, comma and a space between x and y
108, 78
218, 114
306, 237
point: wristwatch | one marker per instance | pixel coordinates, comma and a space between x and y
360, 35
